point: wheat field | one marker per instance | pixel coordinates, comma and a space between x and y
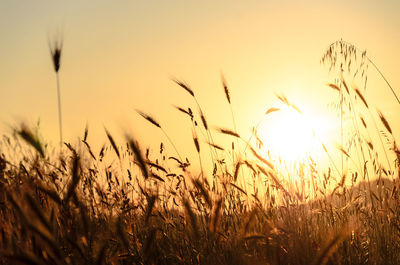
130, 205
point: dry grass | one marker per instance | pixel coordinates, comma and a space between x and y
78, 208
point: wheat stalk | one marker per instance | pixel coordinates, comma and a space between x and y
56, 46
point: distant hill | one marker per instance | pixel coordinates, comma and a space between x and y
379, 191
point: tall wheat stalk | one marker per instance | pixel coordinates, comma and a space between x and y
55, 51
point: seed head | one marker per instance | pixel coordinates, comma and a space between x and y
55, 52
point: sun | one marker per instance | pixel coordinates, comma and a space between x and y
290, 135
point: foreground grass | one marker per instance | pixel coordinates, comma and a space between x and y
59, 212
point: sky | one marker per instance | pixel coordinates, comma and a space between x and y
119, 56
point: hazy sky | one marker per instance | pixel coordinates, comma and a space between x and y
120, 56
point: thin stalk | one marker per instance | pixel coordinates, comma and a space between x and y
384, 78
59, 109
356, 127
198, 150
380, 139
201, 165
234, 127
237, 146
251, 136
341, 125
172, 143
209, 136
210, 139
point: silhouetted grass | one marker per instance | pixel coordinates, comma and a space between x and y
78, 208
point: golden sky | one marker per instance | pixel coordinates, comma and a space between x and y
119, 56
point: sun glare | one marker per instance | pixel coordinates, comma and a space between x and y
290, 135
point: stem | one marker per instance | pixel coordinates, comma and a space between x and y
341, 125
384, 78
237, 142
59, 109
209, 136
234, 125
380, 139
201, 165
233, 119
358, 135
251, 136
172, 143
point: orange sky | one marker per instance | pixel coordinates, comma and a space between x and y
120, 56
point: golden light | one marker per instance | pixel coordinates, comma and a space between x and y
290, 135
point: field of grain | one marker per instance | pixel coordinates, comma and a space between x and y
130, 205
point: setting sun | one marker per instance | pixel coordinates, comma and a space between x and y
291, 135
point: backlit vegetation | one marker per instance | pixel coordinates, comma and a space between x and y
131, 205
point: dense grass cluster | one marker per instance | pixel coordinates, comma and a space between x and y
128, 205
